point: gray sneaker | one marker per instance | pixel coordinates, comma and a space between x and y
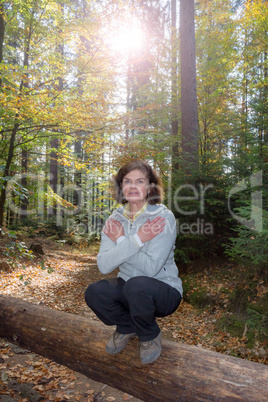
117, 342
150, 350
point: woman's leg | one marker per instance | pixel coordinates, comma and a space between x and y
148, 298
105, 298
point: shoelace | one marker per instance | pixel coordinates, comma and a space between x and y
117, 335
146, 345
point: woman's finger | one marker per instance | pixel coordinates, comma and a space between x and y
158, 220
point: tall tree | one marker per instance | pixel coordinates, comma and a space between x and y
189, 118
54, 143
216, 54
174, 93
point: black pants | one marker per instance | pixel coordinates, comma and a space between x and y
133, 305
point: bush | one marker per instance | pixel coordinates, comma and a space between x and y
250, 247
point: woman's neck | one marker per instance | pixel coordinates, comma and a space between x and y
135, 207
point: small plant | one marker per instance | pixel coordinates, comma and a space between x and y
15, 251
48, 267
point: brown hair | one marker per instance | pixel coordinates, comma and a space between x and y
155, 193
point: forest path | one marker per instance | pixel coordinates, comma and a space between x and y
26, 376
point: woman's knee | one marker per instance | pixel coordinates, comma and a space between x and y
92, 292
105, 289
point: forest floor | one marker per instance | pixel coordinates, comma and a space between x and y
26, 376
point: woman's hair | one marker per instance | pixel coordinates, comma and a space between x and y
155, 193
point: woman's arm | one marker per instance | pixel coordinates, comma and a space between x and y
113, 254
130, 251
150, 260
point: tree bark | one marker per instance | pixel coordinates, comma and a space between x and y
53, 181
174, 98
182, 373
2, 33
189, 118
6, 174
24, 182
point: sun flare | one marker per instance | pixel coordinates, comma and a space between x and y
127, 39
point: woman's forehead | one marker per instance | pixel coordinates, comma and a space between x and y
136, 174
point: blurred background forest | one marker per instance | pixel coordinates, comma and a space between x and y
86, 85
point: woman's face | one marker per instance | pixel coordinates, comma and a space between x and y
135, 186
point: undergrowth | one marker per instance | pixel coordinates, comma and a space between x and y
241, 297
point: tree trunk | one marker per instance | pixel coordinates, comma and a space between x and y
2, 33
78, 177
174, 98
189, 118
54, 168
182, 373
6, 174
24, 181
53, 181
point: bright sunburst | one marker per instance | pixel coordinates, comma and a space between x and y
127, 39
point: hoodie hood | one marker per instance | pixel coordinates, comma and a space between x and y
150, 211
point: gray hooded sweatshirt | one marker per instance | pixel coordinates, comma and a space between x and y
154, 258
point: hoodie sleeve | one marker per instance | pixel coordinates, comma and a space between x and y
111, 255
151, 259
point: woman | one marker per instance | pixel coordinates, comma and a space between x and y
139, 239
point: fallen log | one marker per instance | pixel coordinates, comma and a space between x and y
182, 373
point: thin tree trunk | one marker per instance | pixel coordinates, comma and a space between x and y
55, 142
6, 174
24, 153
53, 181
24, 169
2, 33
78, 176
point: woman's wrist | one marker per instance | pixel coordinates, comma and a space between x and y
119, 239
138, 239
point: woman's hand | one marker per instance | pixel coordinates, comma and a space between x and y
151, 229
113, 229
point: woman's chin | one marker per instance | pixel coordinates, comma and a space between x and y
134, 200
